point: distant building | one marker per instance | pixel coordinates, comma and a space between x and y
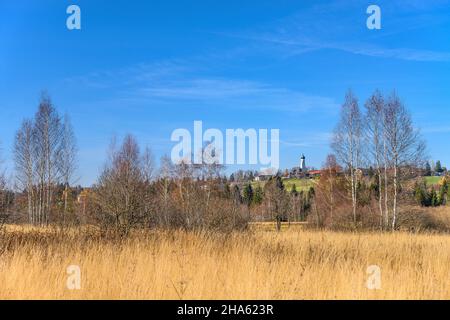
314, 173
263, 177
302, 163
300, 171
265, 174
296, 172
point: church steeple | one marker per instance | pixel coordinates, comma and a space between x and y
302, 163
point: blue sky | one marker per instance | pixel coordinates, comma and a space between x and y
149, 67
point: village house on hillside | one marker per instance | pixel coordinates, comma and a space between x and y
299, 172
265, 175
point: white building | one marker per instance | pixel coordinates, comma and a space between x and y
302, 163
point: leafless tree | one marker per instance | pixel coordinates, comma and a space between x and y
376, 141
404, 145
45, 156
347, 144
210, 170
120, 189
148, 165
185, 175
47, 140
25, 165
331, 169
68, 159
148, 175
178, 198
5, 198
166, 176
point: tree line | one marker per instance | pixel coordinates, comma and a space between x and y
382, 137
130, 192
376, 152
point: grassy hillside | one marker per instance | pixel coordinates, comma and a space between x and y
305, 184
432, 180
300, 184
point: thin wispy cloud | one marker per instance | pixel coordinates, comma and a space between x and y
327, 27
311, 139
396, 53
128, 75
205, 89
168, 83
238, 93
302, 45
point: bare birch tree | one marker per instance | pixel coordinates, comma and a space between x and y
47, 139
331, 170
25, 166
148, 165
166, 175
375, 140
45, 156
404, 145
347, 145
68, 159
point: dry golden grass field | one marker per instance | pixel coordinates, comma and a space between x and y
260, 264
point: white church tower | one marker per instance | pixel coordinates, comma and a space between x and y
302, 163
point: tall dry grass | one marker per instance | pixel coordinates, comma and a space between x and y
292, 264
